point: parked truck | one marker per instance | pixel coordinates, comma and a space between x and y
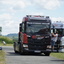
59, 27
34, 35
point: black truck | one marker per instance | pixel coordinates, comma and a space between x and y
34, 35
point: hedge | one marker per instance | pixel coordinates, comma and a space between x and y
6, 39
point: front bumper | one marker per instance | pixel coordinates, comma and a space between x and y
37, 51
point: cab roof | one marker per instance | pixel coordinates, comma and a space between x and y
35, 17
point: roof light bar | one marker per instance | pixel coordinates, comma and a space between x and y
37, 16
28, 15
47, 16
34, 16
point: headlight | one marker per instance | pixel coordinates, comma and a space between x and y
46, 36
25, 45
49, 46
28, 36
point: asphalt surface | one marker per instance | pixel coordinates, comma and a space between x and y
12, 58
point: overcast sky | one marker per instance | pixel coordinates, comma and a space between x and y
12, 12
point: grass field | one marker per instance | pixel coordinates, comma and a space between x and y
1, 44
2, 57
58, 55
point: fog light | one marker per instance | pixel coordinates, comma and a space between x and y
26, 48
48, 46
24, 45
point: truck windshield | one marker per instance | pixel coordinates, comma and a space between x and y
38, 27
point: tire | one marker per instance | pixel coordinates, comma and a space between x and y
47, 54
15, 48
20, 51
16, 51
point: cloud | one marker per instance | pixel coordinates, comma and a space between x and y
8, 24
35, 13
54, 19
9, 27
5, 16
15, 4
47, 4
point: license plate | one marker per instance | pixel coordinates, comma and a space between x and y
40, 37
37, 51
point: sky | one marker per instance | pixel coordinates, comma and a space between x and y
12, 12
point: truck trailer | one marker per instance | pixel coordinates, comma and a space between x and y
34, 35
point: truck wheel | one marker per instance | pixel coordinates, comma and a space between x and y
20, 51
47, 54
15, 48
16, 51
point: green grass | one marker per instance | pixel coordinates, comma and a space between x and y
6, 39
1, 44
9, 41
2, 57
58, 55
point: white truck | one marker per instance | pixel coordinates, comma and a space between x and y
59, 27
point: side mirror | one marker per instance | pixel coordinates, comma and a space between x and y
20, 28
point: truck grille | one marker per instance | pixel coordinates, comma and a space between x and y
37, 44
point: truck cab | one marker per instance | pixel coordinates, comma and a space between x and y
59, 27
34, 35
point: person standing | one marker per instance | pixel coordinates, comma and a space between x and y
53, 40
